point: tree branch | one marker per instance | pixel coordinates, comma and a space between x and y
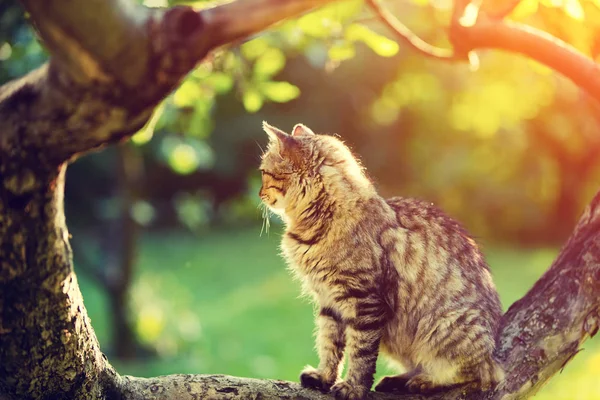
537, 45
252, 16
404, 34
95, 40
471, 31
112, 62
223, 387
538, 336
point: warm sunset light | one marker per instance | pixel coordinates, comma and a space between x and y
327, 197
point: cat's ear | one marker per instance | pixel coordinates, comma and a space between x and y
301, 129
284, 141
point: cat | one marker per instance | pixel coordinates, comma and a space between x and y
395, 276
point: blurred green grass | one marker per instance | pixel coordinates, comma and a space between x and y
225, 303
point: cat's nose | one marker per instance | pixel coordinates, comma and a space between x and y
260, 192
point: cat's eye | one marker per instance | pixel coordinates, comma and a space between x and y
276, 177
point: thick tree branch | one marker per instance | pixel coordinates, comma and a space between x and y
539, 335
223, 387
216, 387
112, 62
470, 31
96, 40
253, 16
535, 44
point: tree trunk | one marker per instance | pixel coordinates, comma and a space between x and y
111, 64
48, 348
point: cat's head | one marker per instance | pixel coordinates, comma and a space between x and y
299, 167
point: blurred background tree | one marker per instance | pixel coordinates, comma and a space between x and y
510, 149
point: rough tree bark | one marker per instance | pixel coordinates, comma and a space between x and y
112, 62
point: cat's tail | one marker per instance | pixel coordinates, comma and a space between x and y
490, 373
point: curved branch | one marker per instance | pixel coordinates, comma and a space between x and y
535, 44
216, 387
470, 30
96, 40
112, 62
404, 34
252, 16
223, 387
538, 336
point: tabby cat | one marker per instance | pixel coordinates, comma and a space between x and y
396, 276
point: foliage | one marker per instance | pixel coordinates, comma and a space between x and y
470, 134
512, 139
19, 51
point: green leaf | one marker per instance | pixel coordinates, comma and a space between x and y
220, 82
254, 48
144, 135
355, 32
253, 100
378, 43
384, 47
269, 63
317, 25
525, 8
344, 10
167, 116
187, 94
231, 61
341, 52
202, 71
280, 92
328, 20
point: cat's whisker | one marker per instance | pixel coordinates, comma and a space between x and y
260, 147
266, 224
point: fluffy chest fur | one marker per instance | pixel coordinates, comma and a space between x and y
337, 261
349, 262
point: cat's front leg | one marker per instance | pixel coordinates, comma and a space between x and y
330, 346
363, 335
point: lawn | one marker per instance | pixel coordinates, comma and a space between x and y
224, 303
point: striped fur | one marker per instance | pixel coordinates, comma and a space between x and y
396, 276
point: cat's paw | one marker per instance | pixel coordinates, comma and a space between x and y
421, 383
312, 378
345, 391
